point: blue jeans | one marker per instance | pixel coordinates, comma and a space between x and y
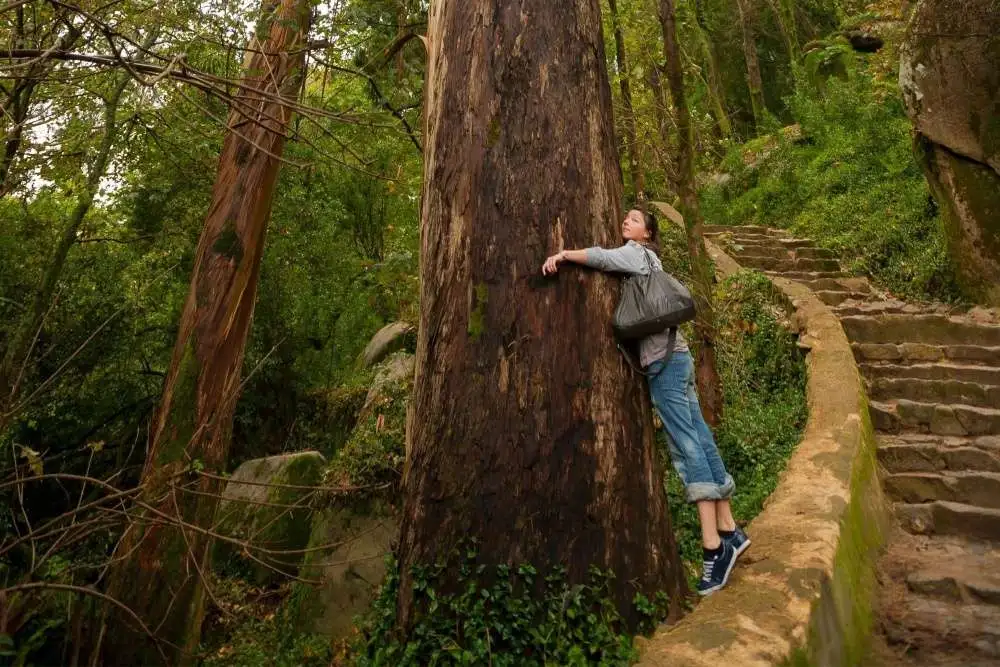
692, 447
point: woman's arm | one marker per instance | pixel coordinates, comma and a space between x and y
630, 258
552, 263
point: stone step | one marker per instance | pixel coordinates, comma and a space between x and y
808, 275
955, 419
928, 329
947, 518
930, 453
926, 624
788, 265
769, 242
812, 252
944, 370
855, 285
935, 391
837, 297
882, 307
919, 352
741, 251
941, 593
981, 489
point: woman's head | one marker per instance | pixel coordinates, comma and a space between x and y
640, 226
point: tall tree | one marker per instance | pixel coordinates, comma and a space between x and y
716, 91
709, 385
784, 14
541, 450
161, 570
628, 113
15, 357
754, 83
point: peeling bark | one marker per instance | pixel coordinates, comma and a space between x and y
709, 384
526, 429
160, 576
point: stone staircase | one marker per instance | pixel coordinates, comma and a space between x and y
933, 380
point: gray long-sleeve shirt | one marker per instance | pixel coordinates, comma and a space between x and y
629, 259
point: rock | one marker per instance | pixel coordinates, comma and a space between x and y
350, 573
389, 339
242, 514
395, 370
951, 86
720, 180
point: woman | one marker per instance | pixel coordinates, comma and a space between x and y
671, 386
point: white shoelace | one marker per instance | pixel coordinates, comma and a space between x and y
709, 566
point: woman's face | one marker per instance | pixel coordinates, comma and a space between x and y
634, 227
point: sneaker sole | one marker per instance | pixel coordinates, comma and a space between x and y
725, 577
743, 547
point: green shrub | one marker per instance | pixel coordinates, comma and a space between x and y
851, 182
504, 622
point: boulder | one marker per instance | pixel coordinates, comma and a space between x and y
396, 370
348, 574
951, 85
389, 339
264, 504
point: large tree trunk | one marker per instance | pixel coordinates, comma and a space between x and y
754, 83
709, 386
628, 117
160, 577
526, 431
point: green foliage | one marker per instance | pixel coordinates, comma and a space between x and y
247, 631
502, 615
851, 182
764, 404
375, 450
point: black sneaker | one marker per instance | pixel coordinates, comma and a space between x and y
717, 569
739, 540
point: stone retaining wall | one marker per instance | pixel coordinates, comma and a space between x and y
802, 594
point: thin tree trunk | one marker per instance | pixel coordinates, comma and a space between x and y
709, 385
784, 14
628, 117
160, 578
14, 113
539, 449
754, 82
716, 92
15, 357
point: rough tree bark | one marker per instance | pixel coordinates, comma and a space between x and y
628, 115
709, 385
526, 429
160, 577
754, 83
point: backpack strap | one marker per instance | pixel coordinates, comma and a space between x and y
671, 341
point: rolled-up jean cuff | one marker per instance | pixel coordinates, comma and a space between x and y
710, 490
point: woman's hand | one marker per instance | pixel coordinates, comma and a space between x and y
552, 263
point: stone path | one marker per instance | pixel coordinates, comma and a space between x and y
933, 379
